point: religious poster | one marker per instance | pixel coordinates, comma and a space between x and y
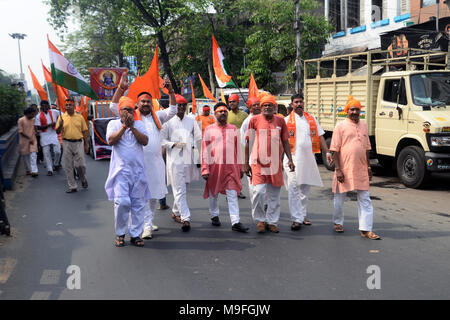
105, 81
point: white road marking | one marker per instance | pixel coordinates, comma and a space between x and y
50, 277
6, 268
55, 233
41, 295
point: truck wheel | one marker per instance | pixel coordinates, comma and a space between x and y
324, 156
411, 167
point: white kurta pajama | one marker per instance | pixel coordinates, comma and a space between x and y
306, 173
127, 183
155, 166
181, 167
49, 138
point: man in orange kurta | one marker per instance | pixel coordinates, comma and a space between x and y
27, 141
205, 119
270, 137
222, 168
351, 146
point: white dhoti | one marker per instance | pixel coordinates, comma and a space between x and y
261, 194
365, 209
30, 162
233, 205
179, 187
298, 197
48, 156
126, 208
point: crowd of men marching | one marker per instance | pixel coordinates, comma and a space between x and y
270, 149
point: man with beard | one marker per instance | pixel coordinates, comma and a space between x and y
178, 136
155, 166
222, 168
270, 138
351, 147
305, 139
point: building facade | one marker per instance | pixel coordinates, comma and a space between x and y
359, 23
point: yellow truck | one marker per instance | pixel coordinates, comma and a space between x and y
406, 99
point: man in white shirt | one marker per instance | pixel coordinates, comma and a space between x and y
155, 166
45, 122
305, 139
179, 136
127, 183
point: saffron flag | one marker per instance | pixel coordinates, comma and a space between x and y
220, 67
252, 88
65, 74
206, 91
222, 96
149, 82
37, 86
194, 104
61, 98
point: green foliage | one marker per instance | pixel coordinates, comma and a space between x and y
12, 103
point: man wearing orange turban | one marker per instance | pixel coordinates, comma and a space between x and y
153, 121
127, 183
268, 137
351, 147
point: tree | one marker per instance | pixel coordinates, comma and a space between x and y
12, 102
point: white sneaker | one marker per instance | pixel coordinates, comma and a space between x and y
155, 228
147, 234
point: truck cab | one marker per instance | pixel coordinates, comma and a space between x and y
413, 123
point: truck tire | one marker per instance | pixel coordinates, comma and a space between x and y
324, 156
411, 167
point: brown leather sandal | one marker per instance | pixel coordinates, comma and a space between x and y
338, 228
370, 235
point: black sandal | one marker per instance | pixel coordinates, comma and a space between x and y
119, 241
137, 241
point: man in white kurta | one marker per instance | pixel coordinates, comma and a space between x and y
307, 174
127, 183
179, 136
45, 122
155, 166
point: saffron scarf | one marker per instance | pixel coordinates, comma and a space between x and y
43, 119
292, 128
137, 116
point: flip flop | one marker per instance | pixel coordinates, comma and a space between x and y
370, 235
338, 228
306, 222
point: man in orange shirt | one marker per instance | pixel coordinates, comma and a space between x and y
351, 146
268, 137
205, 119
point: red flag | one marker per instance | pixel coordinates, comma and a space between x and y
252, 88
194, 104
206, 91
38, 87
149, 82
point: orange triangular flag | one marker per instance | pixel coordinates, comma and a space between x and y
61, 98
194, 104
37, 86
149, 82
206, 91
252, 88
47, 73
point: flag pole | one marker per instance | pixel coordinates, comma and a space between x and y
241, 93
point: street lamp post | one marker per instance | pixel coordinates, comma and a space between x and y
19, 36
298, 63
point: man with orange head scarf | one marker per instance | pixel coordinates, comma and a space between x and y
153, 121
127, 183
351, 147
268, 138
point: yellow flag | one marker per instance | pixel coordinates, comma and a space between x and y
222, 96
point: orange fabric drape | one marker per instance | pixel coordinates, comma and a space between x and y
37, 86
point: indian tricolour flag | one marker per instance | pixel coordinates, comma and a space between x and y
220, 67
65, 74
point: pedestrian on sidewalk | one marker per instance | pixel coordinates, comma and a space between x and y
45, 122
28, 142
268, 138
305, 140
351, 146
222, 167
74, 132
127, 183
155, 166
179, 136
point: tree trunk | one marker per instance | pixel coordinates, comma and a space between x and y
166, 62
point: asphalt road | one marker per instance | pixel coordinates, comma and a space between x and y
53, 230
